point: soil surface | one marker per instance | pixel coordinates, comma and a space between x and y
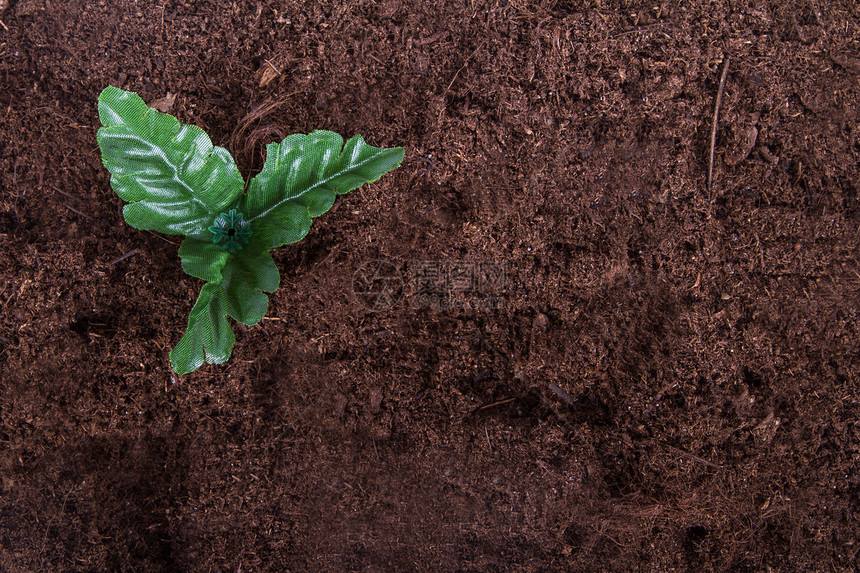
544, 343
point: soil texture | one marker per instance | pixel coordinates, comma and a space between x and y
545, 343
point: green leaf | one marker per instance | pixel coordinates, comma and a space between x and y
301, 177
175, 181
203, 259
245, 275
208, 337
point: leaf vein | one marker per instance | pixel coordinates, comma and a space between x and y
320, 183
163, 156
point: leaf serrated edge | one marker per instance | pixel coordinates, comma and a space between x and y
127, 132
324, 182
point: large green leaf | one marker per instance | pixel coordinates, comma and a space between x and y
173, 178
208, 337
301, 177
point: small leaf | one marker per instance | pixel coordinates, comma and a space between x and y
173, 178
208, 337
203, 259
301, 177
245, 276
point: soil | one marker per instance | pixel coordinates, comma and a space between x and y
544, 343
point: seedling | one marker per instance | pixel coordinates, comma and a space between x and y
176, 182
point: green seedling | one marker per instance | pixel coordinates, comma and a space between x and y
176, 182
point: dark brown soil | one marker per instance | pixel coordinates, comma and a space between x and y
625, 370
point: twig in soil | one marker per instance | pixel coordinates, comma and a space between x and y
61, 192
640, 30
463, 67
714, 125
428, 162
430, 39
162, 238
73, 210
494, 404
694, 457
67, 206
124, 257
562, 394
